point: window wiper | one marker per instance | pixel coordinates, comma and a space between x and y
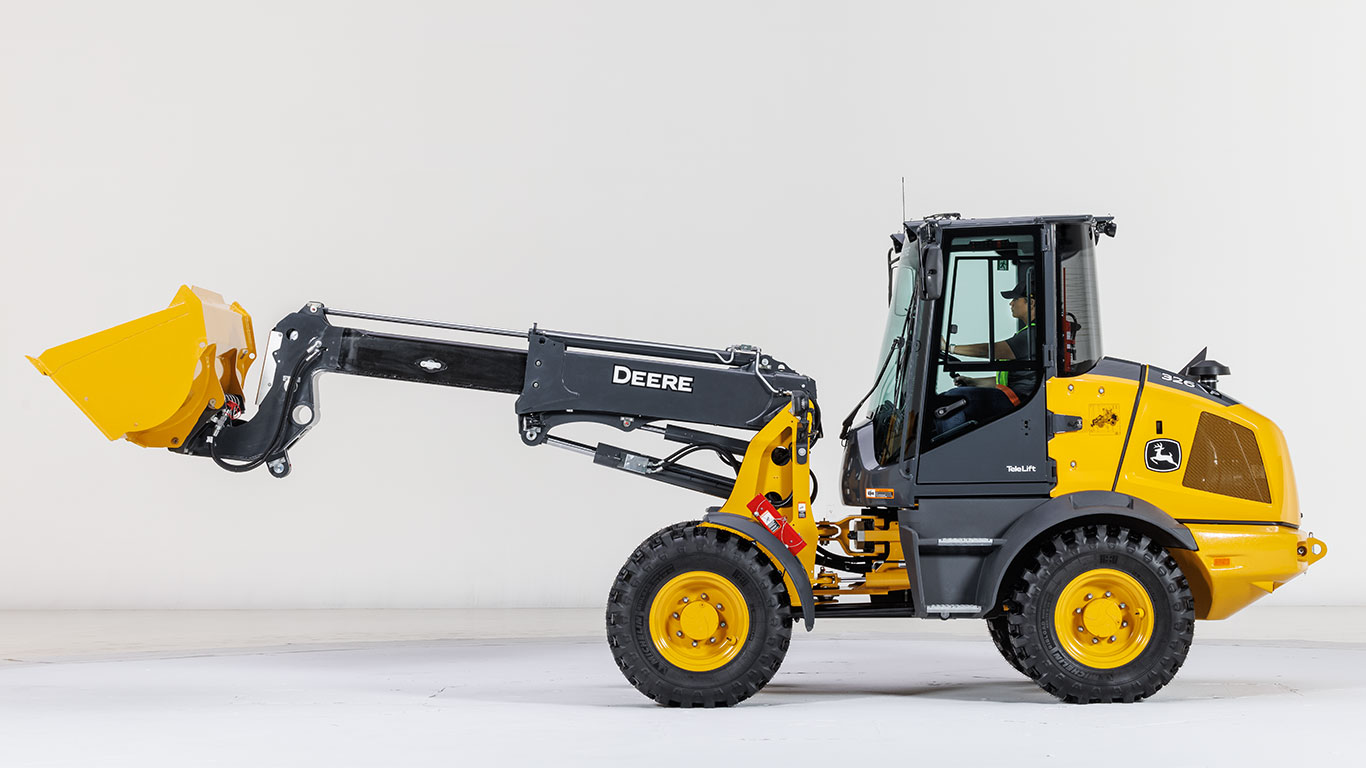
897, 344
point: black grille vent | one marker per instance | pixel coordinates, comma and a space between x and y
1225, 460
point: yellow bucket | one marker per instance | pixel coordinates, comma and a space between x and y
149, 380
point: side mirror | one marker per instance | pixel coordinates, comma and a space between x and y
932, 272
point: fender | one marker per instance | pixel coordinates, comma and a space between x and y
1077, 506
760, 535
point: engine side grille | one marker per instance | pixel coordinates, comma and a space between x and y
1225, 460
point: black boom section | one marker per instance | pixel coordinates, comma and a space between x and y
727, 394
305, 344
447, 363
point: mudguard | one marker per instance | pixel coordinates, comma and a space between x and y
1079, 506
751, 529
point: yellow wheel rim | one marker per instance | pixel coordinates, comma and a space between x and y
1104, 618
699, 621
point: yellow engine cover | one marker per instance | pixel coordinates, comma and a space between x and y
1244, 520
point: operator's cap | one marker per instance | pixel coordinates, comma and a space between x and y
1020, 291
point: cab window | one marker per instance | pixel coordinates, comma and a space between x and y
1079, 325
988, 361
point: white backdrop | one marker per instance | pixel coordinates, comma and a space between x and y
706, 173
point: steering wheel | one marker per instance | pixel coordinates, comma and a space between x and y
945, 360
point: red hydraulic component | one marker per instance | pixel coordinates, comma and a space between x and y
768, 515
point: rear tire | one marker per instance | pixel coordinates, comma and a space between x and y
999, 629
1103, 614
698, 617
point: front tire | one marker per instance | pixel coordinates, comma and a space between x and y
698, 617
1103, 614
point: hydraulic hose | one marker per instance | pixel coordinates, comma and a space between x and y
721, 453
280, 430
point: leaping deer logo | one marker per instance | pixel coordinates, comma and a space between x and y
1159, 454
1161, 458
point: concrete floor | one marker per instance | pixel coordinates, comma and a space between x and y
391, 688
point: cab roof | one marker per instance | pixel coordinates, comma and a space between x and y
956, 221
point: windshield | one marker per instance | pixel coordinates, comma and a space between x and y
887, 405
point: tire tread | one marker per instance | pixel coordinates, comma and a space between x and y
676, 688
1026, 629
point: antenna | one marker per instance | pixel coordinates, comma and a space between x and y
903, 198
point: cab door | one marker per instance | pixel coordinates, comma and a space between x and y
984, 414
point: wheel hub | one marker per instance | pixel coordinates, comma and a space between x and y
699, 621
1104, 618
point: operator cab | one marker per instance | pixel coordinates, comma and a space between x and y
982, 313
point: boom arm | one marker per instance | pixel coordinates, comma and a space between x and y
560, 378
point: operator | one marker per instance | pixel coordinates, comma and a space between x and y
992, 396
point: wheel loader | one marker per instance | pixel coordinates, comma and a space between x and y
1088, 508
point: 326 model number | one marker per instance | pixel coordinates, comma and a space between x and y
1178, 380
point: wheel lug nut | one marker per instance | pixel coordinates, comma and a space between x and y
1088, 596
1107, 594
1123, 605
712, 640
1081, 629
718, 606
680, 634
1077, 611
685, 599
1124, 623
675, 614
704, 595
1112, 638
694, 643
723, 624
1095, 640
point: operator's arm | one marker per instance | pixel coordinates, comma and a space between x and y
1003, 350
